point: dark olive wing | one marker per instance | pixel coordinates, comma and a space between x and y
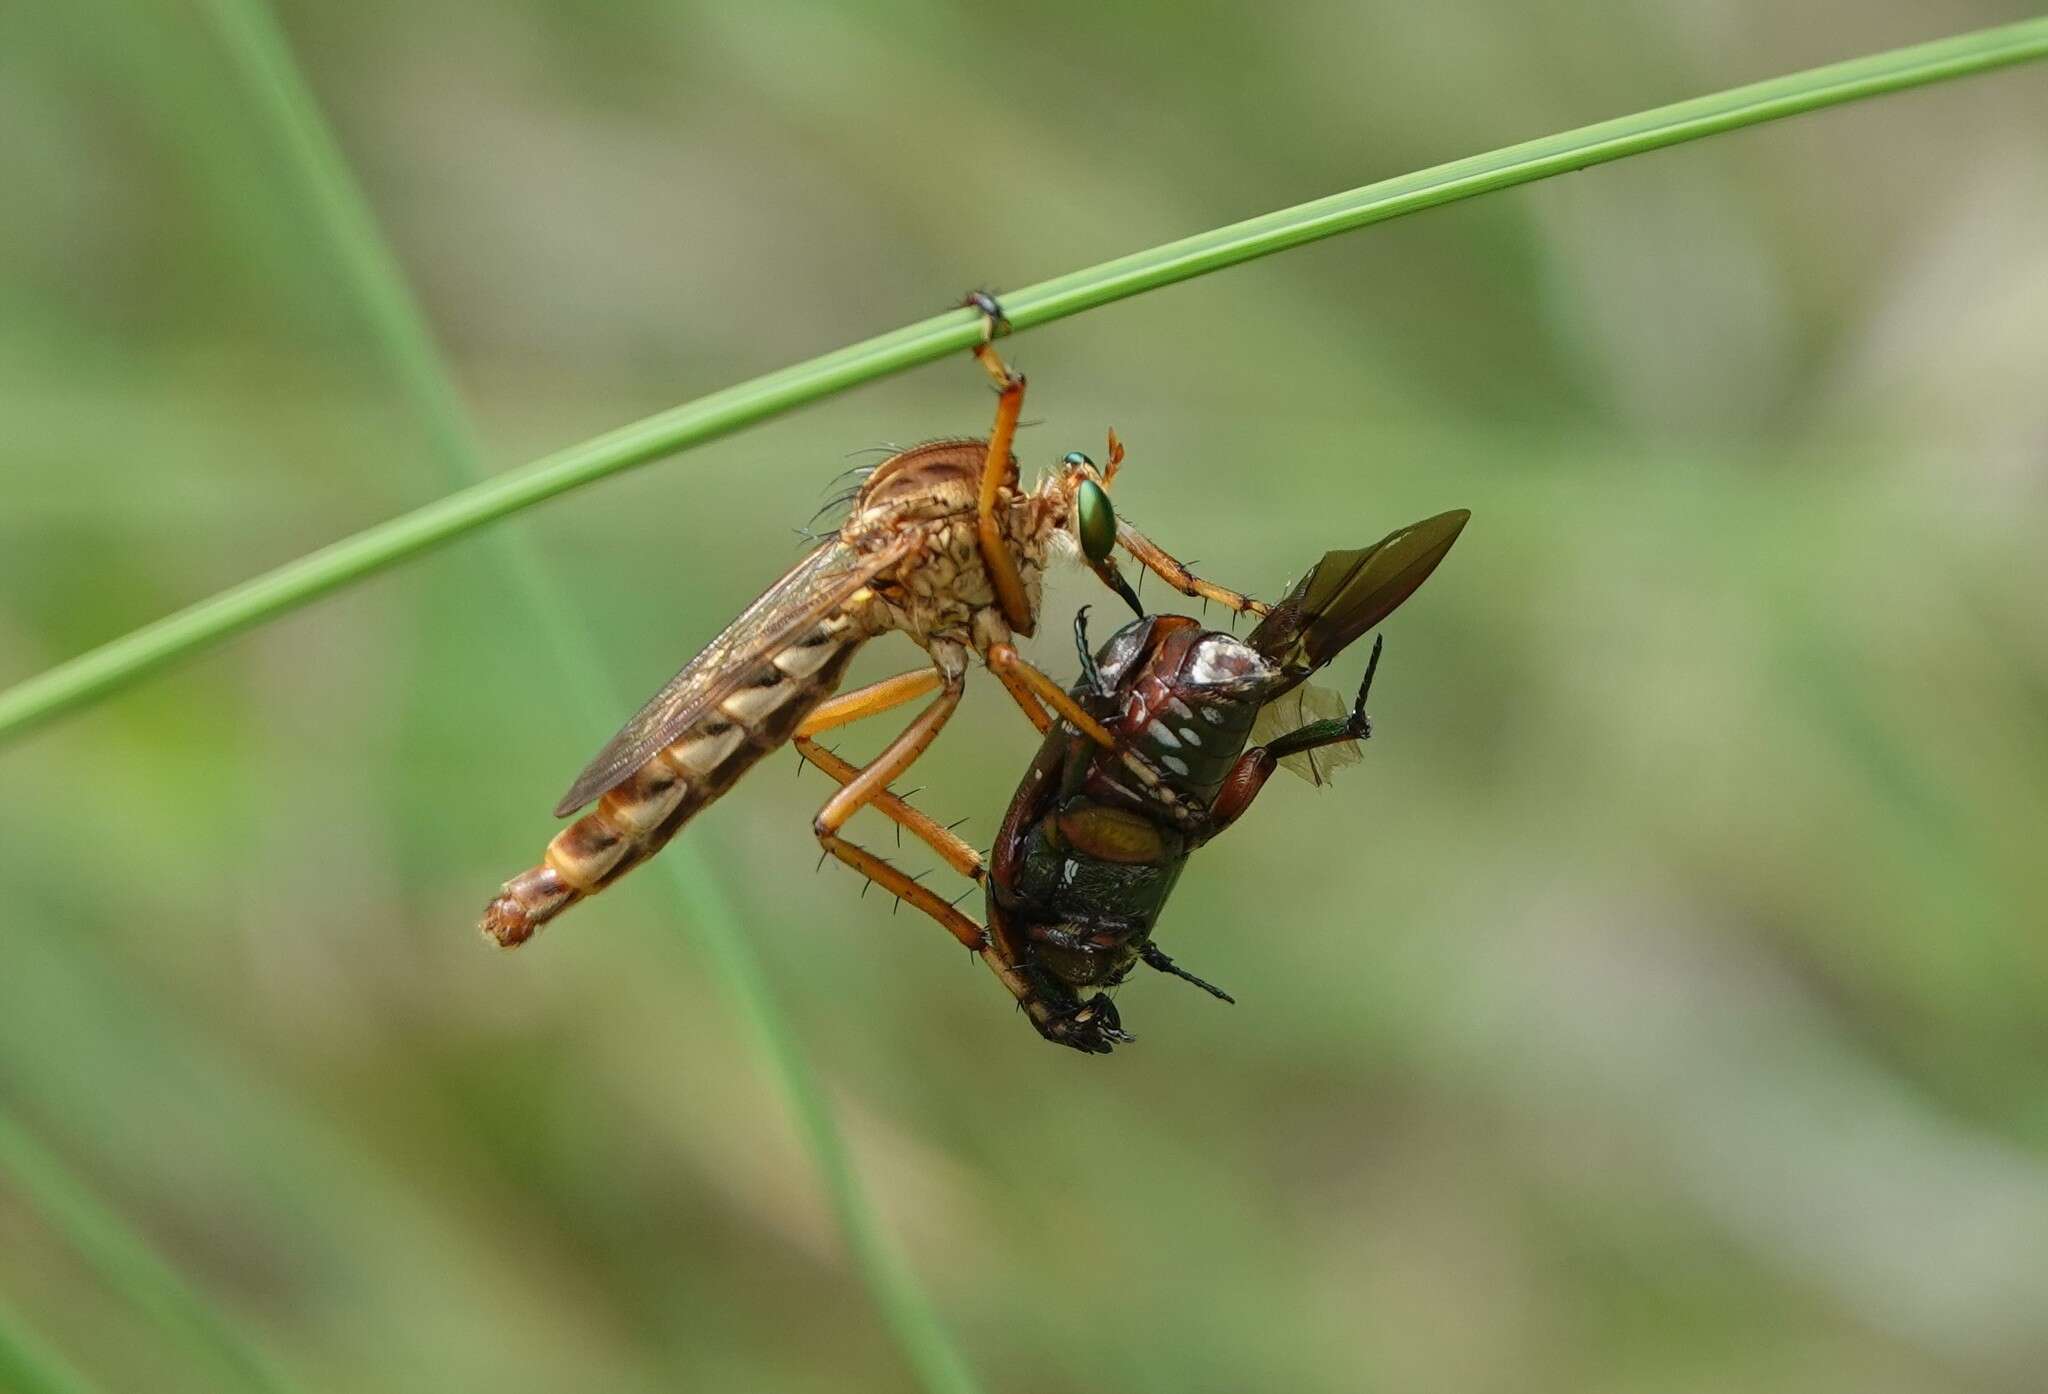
783, 613
1347, 593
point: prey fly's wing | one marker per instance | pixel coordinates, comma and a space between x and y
1309, 703
783, 613
1347, 593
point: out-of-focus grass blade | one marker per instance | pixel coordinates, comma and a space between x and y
317, 169
128, 1264
115, 665
27, 1366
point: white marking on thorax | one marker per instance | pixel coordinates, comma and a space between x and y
1219, 658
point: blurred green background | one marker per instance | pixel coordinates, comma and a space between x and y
1660, 1007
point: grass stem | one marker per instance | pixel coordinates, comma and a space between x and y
27, 1366
122, 661
127, 1263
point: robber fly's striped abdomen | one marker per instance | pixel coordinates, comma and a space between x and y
635, 819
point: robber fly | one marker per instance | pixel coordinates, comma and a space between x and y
1097, 834
943, 543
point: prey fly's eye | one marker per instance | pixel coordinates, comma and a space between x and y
1074, 459
1096, 522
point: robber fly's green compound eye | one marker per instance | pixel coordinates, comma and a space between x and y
1095, 521
1074, 459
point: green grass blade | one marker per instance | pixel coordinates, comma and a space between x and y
125, 1261
116, 664
317, 168
905, 1307
27, 1366
1771, 100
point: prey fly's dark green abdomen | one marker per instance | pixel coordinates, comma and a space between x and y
1085, 911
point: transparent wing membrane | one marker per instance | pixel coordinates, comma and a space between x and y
782, 615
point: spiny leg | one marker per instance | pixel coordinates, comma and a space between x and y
1034, 711
998, 469
873, 784
895, 758
954, 850
872, 700
869, 783
1162, 564
903, 886
1018, 677
1031, 687
893, 879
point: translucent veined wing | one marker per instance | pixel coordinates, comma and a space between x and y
1290, 712
782, 614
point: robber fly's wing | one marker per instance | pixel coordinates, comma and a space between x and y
807, 592
1311, 702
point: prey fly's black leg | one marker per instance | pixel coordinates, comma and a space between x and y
1090, 674
1091, 1026
1356, 727
1155, 957
1256, 766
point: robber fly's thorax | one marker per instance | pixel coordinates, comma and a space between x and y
944, 591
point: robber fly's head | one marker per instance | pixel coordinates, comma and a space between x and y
1090, 520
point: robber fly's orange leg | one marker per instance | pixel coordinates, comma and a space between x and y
961, 858
872, 700
1031, 687
999, 469
935, 835
958, 855
1160, 563
869, 701
868, 784
1034, 710
898, 883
